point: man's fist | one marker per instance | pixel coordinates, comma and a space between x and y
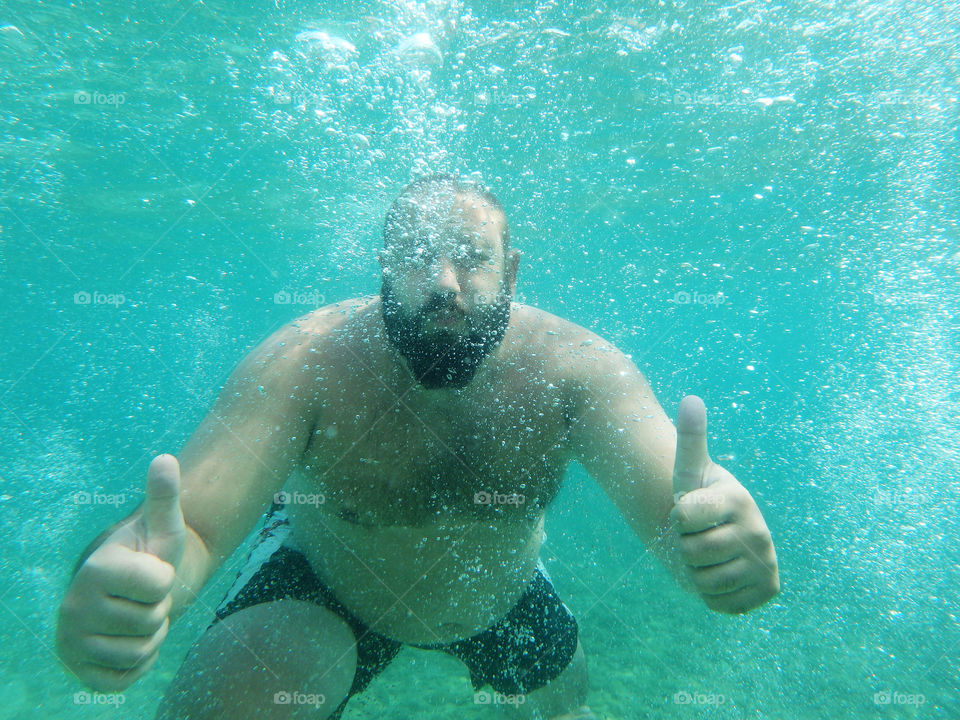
724, 540
115, 614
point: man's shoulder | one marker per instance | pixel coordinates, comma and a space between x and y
537, 326
582, 363
571, 352
311, 332
321, 321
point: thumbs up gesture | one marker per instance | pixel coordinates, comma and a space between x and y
723, 539
115, 614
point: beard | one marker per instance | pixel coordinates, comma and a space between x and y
441, 358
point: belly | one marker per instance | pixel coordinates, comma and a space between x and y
424, 585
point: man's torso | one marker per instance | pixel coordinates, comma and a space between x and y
431, 520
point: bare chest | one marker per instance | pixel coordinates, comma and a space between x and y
382, 462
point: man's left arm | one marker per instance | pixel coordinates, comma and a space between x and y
690, 512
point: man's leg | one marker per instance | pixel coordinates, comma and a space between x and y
532, 655
281, 659
563, 698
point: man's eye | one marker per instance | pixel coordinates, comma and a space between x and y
422, 257
476, 258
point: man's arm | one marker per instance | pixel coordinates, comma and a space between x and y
239, 456
623, 438
690, 512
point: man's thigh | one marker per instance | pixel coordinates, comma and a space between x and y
281, 659
527, 648
566, 693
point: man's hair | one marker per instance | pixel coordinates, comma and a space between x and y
420, 193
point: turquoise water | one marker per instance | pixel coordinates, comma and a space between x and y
757, 201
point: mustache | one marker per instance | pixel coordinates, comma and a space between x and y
440, 303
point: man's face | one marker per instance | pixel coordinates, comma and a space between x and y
446, 290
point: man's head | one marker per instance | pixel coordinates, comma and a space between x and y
448, 278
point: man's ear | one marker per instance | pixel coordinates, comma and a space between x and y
510, 264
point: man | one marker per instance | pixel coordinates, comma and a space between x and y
417, 438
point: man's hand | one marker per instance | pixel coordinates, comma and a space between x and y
724, 541
115, 614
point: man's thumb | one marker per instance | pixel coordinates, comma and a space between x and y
691, 459
162, 518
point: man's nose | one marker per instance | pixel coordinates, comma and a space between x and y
446, 278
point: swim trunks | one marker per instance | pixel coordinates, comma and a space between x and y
530, 646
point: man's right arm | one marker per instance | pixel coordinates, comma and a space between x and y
239, 456
146, 570
242, 452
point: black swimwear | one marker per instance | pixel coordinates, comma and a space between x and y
530, 646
